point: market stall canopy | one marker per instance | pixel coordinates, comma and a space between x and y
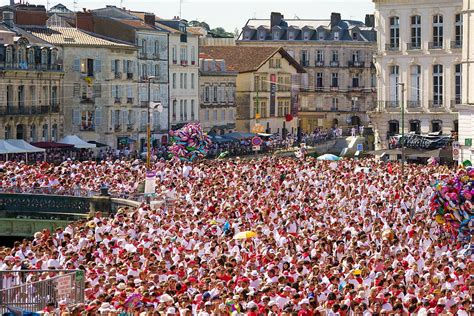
239, 135
6, 148
50, 145
221, 140
97, 143
77, 142
27, 148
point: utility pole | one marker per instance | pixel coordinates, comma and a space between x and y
148, 129
402, 85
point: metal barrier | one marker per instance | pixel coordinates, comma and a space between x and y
31, 290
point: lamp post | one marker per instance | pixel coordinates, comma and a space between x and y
148, 128
402, 85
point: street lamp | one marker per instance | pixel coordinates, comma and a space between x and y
148, 129
402, 85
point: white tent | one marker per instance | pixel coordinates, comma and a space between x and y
76, 141
6, 148
27, 148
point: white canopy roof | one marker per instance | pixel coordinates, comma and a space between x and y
76, 141
6, 148
26, 147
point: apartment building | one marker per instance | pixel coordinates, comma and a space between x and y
419, 67
339, 80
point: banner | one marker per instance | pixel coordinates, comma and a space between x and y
420, 141
272, 94
294, 95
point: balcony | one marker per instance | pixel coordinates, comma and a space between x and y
184, 62
435, 105
390, 106
319, 63
87, 128
55, 108
129, 75
356, 64
355, 88
129, 100
305, 63
355, 109
118, 100
319, 88
129, 127
393, 47
334, 63
86, 100
456, 44
435, 45
413, 104
334, 88
25, 66
118, 75
334, 109
414, 46
10, 110
117, 128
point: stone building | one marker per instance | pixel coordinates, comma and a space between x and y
419, 66
216, 95
139, 29
267, 89
466, 110
31, 85
99, 104
339, 84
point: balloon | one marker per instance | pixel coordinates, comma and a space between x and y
189, 142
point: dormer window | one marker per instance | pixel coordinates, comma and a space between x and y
355, 36
246, 35
306, 36
336, 36
261, 35
276, 35
321, 35
9, 55
31, 56
44, 57
291, 35
54, 57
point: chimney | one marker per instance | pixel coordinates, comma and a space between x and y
335, 18
12, 2
369, 20
275, 18
31, 15
8, 18
85, 21
150, 19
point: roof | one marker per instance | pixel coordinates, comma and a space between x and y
247, 58
69, 36
138, 24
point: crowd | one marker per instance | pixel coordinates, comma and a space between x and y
332, 238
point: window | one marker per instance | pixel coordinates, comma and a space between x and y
157, 48
335, 104
45, 132
334, 80
355, 80
33, 133
276, 34
415, 32
278, 63
458, 31
183, 55
321, 35
261, 35
8, 132
415, 86
457, 83
336, 36
144, 71
157, 70
393, 86
31, 56
283, 107
181, 110
174, 81
335, 56
214, 115
181, 81
437, 31
185, 81
304, 58
185, 105
291, 35
206, 94
319, 80
143, 48
193, 55
393, 128
193, 113
192, 81
174, 54
173, 110
356, 56
415, 126
319, 56
437, 85
214, 96
87, 120
355, 36
223, 114
436, 126
206, 115
306, 35
394, 32
87, 67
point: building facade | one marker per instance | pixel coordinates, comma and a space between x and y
339, 83
419, 66
183, 56
217, 96
31, 85
138, 29
267, 90
99, 105
466, 110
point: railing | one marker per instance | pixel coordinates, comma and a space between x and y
117, 128
118, 75
38, 67
44, 109
334, 63
89, 128
118, 100
334, 109
414, 46
355, 88
435, 45
129, 127
319, 63
356, 64
413, 104
31, 290
129, 100
435, 104
392, 47
334, 88
456, 44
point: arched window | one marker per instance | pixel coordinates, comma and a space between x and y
9, 56
54, 132
33, 133
31, 57
8, 132
45, 132
44, 57
19, 131
21, 57
54, 57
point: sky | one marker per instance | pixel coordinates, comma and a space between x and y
229, 14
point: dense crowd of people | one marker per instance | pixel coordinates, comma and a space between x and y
332, 238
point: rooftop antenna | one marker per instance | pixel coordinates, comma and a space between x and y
74, 5
47, 5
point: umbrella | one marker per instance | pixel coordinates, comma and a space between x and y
329, 157
245, 235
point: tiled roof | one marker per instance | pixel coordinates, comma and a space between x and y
245, 58
138, 24
73, 37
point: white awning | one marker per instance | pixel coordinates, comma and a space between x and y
76, 141
26, 147
6, 148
